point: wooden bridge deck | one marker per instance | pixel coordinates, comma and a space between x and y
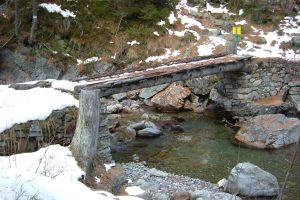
166, 73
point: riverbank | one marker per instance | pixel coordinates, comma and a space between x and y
159, 185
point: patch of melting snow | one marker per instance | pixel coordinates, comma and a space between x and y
208, 48
274, 39
161, 23
49, 173
182, 33
88, 60
20, 106
167, 55
133, 42
52, 7
172, 19
156, 33
221, 9
243, 22
189, 22
134, 190
109, 166
241, 12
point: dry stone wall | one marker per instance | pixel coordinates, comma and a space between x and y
239, 91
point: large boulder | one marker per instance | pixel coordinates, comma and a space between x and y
172, 98
250, 180
149, 92
269, 131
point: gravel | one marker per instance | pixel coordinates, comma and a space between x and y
159, 185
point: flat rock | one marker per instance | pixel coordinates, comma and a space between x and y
269, 131
250, 180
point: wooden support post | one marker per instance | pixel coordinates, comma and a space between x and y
84, 143
103, 146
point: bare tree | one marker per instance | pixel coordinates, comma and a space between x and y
288, 5
34, 21
17, 19
288, 173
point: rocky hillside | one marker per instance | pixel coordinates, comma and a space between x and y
74, 38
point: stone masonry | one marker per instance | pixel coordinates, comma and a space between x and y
239, 91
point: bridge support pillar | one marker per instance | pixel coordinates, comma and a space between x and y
84, 142
103, 147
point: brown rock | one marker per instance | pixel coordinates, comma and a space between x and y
110, 180
181, 196
172, 98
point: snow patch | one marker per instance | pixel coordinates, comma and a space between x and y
167, 55
243, 22
20, 106
172, 19
50, 173
52, 7
134, 190
109, 166
221, 9
133, 42
161, 23
88, 60
156, 33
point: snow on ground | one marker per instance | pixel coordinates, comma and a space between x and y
19, 106
133, 42
156, 33
88, 60
184, 14
211, 9
167, 55
288, 26
243, 22
134, 190
51, 173
172, 19
52, 7
208, 48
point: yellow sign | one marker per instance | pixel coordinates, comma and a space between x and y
237, 30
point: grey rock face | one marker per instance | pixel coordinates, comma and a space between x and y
200, 86
250, 180
269, 131
17, 68
147, 93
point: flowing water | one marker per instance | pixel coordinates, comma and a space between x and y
206, 150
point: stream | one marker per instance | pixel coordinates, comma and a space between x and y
205, 150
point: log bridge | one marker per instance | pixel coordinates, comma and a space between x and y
89, 142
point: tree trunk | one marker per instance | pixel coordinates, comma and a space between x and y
84, 143
288, 5
34, 21
17, 18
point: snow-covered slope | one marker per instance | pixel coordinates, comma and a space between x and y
19, 106
49, 174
